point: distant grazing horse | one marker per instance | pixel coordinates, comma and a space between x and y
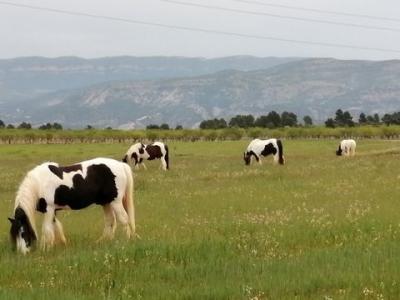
49, 187
139, 152
258, 148
346, 148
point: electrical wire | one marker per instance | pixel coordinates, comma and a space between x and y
256, 13
337, 13
201, 30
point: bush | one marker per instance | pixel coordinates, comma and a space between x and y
232, 133
255, 133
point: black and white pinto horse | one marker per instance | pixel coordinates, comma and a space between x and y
258, 148
139, 152
49, 187
347, 148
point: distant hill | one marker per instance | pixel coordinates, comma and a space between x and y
28, 77
316, 87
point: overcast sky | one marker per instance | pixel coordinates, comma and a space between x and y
27, 32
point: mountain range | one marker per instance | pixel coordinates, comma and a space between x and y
132, 92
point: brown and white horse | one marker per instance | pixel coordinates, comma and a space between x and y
49, 187
139, 152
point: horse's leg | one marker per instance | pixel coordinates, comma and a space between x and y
163, 163
144, 166
48, 236
109, 223
122, 216
59, 231
276, 158
256, 157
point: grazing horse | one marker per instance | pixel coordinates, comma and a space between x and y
258, 148
139, 152
346, 148
49, 187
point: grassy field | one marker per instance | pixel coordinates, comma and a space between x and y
320, 227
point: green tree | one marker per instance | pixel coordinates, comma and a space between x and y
377, 119
46, 126
2, 125
362, 119
57, 126
24, 125
213, 124
164, 126
274, 118
242, 121
261, 121
288, 119
307, 121
343, 118
339, 118
393, 118
152, 126
348, 119
387, 119
330, 123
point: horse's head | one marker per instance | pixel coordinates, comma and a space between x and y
22, 235
247, 158
339, 151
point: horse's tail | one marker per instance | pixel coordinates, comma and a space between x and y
280, 150
166, 157
128, 198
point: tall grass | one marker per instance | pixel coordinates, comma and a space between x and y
320, 227
23, 136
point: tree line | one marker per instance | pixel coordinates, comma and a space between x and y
345, 119
289, 119
26, 125
271, 120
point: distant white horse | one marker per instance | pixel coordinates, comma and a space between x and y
139, 152
49, 187
258, 148
347, 148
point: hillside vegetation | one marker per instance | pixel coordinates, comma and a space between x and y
315, 87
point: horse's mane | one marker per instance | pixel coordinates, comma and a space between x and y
27, 197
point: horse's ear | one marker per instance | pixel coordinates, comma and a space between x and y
11, 220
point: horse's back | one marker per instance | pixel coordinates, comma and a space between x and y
350, 143
257, 145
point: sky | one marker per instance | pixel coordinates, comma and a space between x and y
28, 32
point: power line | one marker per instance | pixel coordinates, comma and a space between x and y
282, 16
201, 30
337, 13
